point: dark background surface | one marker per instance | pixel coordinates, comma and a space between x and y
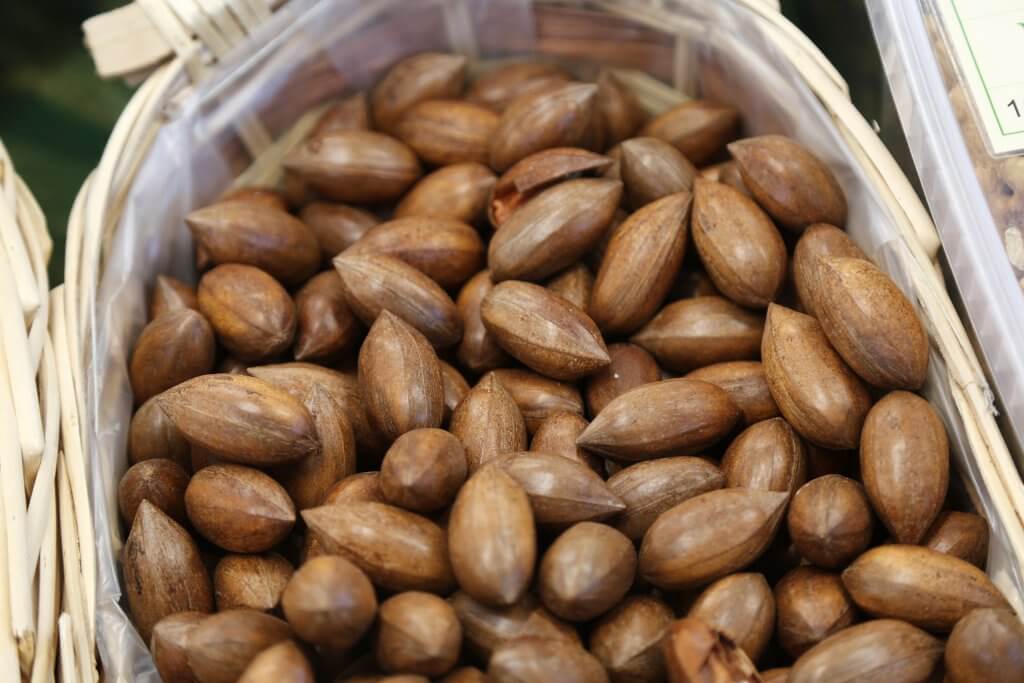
56, 115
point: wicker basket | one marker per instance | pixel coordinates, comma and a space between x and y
35, 468
200, 56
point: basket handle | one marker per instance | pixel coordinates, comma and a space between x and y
132, 40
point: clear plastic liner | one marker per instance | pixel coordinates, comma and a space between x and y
976, 199
314, 51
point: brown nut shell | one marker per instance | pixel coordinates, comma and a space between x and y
487, 627
375, 283
423, 470
818, 241
627, 640
443, 132
811, 605
478, 351
694, 651
768, 456
710, 536
153, 435
697, 128
904, 460
574, 284
488, 423
986, 645
308, 480
789, 182
169, 294
528, 177
557, 435
163, 571
830, 521
536, 660
742, 608
252, 234
250, 581
630, 366
651, 169
617, 111
221, 647
661, 418
740, 247
870, 322
498, 87
241, 418
398, 550
883, 649
537, 396
326, 325
922, 586
336, 226
492, 539
586, 571
357, 166
960, 534
650, 488
281, 663
641, 262
693, 333
174, 347
350, 113
167, 645
161, 482
561, 491
815, 390
447, 251
420, 77
239, 508
554, 116
746, 384
543, 330
329, 602
554, 229
418, 633
252, 314
342, 387
466, 674
400, 378
455, 388
458, 191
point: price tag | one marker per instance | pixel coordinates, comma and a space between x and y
987, 39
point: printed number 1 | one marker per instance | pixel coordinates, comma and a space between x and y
1016, 109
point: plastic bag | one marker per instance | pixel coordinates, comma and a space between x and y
314, 51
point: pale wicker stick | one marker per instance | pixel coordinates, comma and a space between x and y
68, 664
9, 666
17, 356
32, 223
266, 169
42, 497
76, 516
18, 579
74, 601
28, 295
49, 601
12, 473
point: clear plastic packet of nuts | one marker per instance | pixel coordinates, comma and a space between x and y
954, 68
521, 352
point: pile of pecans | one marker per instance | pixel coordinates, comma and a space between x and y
544, 401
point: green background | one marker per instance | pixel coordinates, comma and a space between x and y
56, 115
